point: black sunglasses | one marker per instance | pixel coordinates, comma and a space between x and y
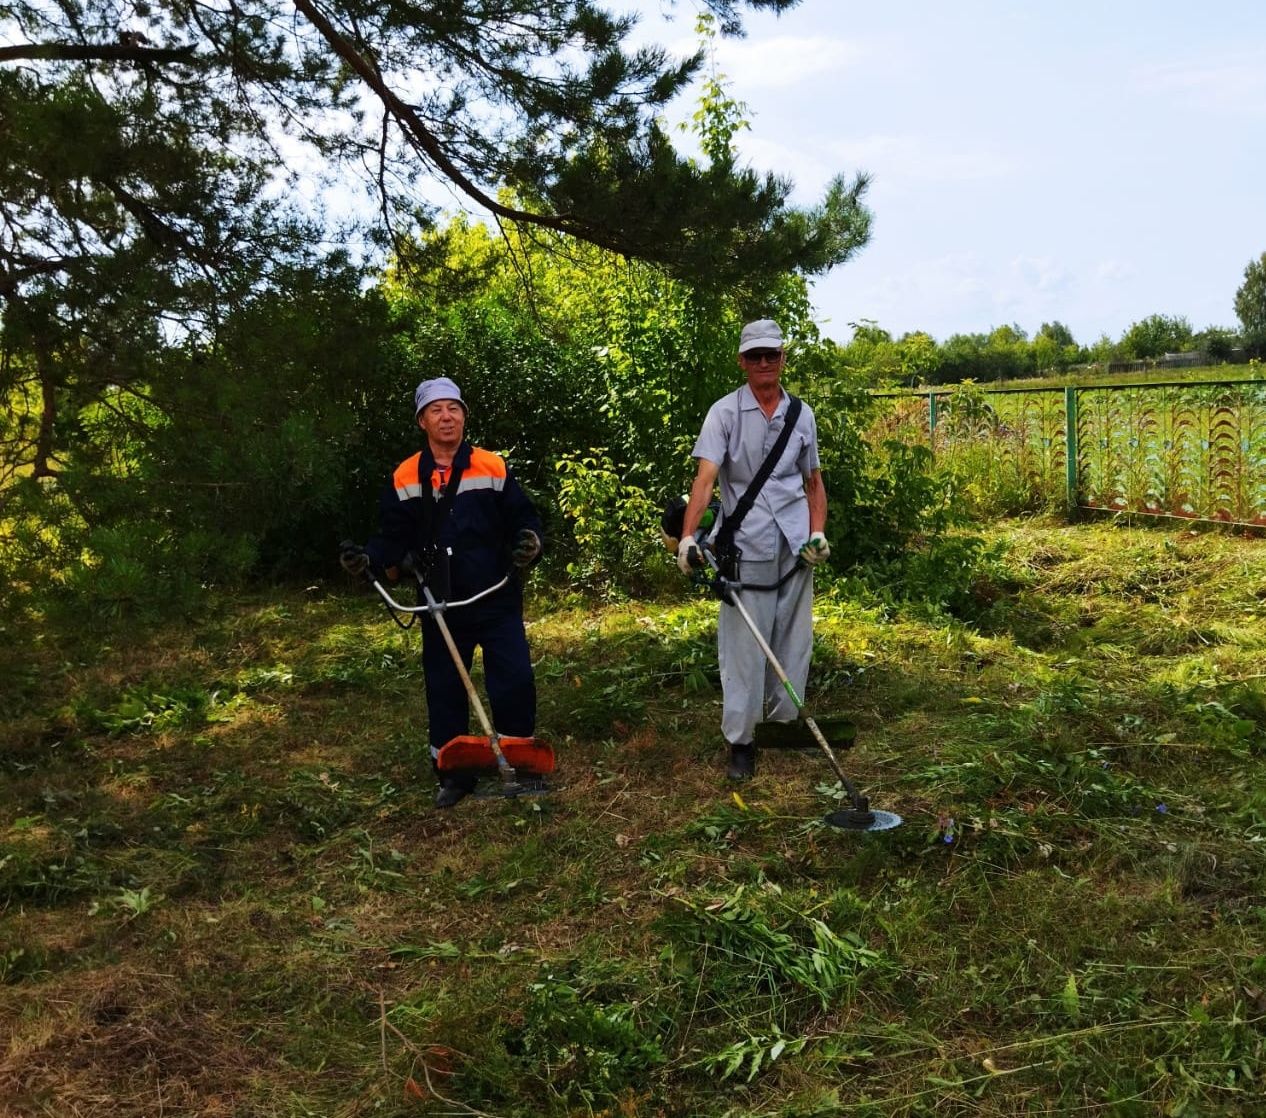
756, 356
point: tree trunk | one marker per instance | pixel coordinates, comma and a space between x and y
42, 461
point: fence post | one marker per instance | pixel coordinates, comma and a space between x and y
1070, 447
931, 416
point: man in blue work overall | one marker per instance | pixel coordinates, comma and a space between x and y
458, 510
786, 518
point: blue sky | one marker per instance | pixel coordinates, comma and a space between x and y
1088, 162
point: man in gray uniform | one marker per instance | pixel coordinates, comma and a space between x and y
786, 519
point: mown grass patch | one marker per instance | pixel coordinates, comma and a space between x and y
226, 890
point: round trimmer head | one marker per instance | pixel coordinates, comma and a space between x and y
850, 819
859, 817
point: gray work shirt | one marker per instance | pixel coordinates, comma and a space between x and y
736, 436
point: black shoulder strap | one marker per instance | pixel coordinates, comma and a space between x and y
435, 512
730, 525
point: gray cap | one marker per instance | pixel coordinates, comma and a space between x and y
764, 333
441, 388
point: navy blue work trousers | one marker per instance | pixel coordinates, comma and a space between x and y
508, 679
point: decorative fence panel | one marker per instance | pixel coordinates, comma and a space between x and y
1029, 437
1189, 449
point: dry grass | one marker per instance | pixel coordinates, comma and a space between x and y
247, 904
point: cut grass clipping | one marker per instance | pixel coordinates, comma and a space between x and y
226, 890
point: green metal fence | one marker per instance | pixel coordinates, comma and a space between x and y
1195, 450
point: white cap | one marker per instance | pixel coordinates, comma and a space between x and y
764, 333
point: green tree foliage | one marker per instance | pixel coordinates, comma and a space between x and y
182, 370
126, 240
1058, 334
544, 99
873, 357
1250, 305
919, 358
274, 464
1155, 336
1216, 342
1003, 354
1054, 348
208, 470
618, 360
1102, 350
120, 227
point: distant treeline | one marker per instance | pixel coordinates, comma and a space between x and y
1009, 353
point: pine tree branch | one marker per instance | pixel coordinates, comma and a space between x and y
18, 269
105, 52
417, 131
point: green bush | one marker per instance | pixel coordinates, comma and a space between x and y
610, 521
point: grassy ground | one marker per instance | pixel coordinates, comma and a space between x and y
226, 891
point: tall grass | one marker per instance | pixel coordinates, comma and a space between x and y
226, 889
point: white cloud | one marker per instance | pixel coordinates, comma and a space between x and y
907, 162
801, 164
1238, 83
970, 292
783, 61
923, 159
1113, 271
938, 284
1041, 274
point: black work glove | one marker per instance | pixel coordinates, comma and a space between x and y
353, 557
527, 546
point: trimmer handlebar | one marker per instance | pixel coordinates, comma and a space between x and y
432, 606
721, 583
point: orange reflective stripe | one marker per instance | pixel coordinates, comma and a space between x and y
405, 479
483, 463
486, 471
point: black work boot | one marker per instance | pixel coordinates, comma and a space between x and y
454, 787
742, 762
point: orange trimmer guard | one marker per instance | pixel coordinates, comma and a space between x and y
527, 755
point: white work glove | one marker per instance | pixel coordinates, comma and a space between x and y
689, 556
815, 549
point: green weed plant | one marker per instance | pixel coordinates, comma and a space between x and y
218, 837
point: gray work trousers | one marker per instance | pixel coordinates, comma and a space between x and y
751, 690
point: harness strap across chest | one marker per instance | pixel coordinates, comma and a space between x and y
435, 511
730, 525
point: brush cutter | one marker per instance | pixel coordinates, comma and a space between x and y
858, 816
510, 756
